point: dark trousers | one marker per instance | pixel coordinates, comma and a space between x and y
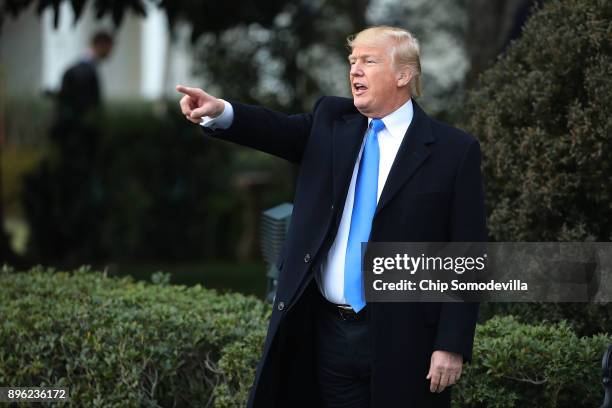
344, 358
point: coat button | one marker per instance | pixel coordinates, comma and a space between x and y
307, 258
281, 305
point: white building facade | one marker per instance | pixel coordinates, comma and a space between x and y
145, 63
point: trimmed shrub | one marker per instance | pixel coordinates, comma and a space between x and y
543, 117
117, 343
585, 319
519, 365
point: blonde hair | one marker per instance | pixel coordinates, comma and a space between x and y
405, 50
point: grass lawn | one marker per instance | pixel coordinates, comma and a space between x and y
247, 278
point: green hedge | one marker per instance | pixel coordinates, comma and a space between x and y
543, 117
116, 342
544, 365
584, 319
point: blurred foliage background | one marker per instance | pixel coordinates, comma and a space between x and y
135, 188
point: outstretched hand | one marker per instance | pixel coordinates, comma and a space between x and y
196, 104
445, 370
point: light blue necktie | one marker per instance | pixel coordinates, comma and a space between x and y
364, 206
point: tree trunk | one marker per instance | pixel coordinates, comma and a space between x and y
492, 25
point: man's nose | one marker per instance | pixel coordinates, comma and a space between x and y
356, 70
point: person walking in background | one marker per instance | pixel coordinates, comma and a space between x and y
374, 168
65, 196
76, 131
80, 90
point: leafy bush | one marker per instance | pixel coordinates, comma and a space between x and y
518, 365
585, 319
543, 117
544, 120
115, 342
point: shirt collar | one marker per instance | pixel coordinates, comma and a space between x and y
397, 122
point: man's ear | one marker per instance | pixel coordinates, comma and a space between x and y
403, 78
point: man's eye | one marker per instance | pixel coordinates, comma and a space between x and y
370, 61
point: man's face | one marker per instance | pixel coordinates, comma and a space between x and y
374, 80
102, 50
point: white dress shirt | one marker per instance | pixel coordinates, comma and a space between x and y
331, 276
331, 279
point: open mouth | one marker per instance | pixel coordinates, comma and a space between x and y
359, 88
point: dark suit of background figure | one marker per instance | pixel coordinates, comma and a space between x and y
433, 193
78, 101
80, 89
75, 135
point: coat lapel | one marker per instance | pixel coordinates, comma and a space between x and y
412, 153
347, 137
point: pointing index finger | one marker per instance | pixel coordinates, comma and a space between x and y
187, 90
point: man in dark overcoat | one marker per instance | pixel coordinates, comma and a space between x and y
371, 168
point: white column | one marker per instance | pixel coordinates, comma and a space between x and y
181, 60
154, 53
20, 55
